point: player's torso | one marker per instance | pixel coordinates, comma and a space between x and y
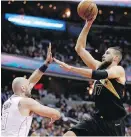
13, 123
108, 98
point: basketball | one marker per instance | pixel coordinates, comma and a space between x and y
87, 9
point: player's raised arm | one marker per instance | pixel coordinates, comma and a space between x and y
36, 107
80, 47
37, 74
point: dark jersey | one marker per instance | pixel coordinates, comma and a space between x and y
108, 99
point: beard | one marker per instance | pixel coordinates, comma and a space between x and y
104, 65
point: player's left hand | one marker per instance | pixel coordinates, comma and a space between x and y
63, 65
49, 58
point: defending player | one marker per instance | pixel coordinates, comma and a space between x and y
17, 111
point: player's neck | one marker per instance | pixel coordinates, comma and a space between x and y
20, 94
112, 64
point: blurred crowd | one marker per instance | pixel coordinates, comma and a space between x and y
23, 41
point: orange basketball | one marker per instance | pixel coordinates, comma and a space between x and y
87, 9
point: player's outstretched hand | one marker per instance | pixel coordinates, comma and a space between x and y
49, 58
63, 65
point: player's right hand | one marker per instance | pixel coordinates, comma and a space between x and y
91, 21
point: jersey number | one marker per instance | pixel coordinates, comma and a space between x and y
4, 120
97, 89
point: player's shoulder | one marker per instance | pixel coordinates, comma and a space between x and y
118, 68
26, 101
6, 102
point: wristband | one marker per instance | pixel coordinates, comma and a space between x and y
43, 67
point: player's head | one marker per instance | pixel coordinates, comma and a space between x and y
21, 86
112, 54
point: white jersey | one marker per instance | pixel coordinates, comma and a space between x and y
13, 123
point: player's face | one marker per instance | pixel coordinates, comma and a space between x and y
108, 56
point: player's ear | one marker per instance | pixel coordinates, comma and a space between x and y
23, 88
25, 76
116, 58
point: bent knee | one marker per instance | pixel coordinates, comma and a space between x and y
69, 133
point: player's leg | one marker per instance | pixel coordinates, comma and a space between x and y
109, 127
119, 128
84, 128
69, 134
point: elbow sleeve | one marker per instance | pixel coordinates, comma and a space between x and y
99, 74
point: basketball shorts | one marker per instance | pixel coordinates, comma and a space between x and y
96, 126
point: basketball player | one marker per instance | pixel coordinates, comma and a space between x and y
17, 111
108, 90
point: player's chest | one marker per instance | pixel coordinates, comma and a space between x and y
102, 88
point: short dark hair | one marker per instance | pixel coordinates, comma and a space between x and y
118, 52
